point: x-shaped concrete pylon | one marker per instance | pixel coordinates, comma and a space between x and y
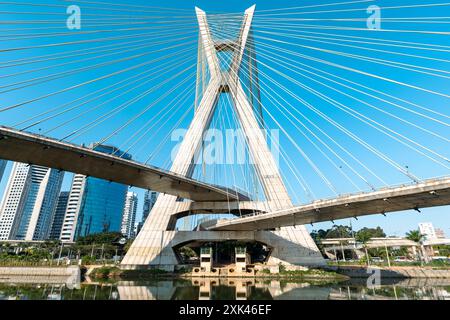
156, 242
210, 48
275, 192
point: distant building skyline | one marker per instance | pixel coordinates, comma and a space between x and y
33, 207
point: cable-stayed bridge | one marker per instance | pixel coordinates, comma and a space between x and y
356, 106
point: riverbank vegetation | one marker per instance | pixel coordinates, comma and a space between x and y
103, 248
112, 272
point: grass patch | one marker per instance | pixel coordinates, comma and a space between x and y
143, 274
105, 272
436, 264
310, 273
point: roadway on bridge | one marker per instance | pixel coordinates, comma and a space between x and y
39, 150
429, 193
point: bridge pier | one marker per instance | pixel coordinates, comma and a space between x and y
289, 246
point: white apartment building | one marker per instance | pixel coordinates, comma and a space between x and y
12, 203
73, 208
129, 215
427, 229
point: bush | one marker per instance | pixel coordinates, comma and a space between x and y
100, 238
182, 270
87, 260
136, 274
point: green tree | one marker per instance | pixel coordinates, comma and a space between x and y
338, 231
414, 235
373, 232
127, 245
444, 250
417, 237
187, 252
318, 235
100, 238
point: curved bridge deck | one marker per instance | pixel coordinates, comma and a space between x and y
34, 149
429, 193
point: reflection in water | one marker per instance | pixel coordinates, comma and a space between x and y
230, 289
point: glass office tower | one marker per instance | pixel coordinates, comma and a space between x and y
102, 202
2, 168
58, 218
150, 198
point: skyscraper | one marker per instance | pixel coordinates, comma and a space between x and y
129, 215
94, 205
13, 199
29, 202
58, 217
149, 201
73, 208
2, 168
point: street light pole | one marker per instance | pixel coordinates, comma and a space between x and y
101, 257
387, 254
60, 253
343, 253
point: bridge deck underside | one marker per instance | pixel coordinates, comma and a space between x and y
38, 150
427, 194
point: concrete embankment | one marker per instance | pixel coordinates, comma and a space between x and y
58, 275
393, 272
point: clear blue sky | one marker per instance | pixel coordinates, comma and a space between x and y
148, 34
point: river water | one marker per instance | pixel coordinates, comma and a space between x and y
229, 289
